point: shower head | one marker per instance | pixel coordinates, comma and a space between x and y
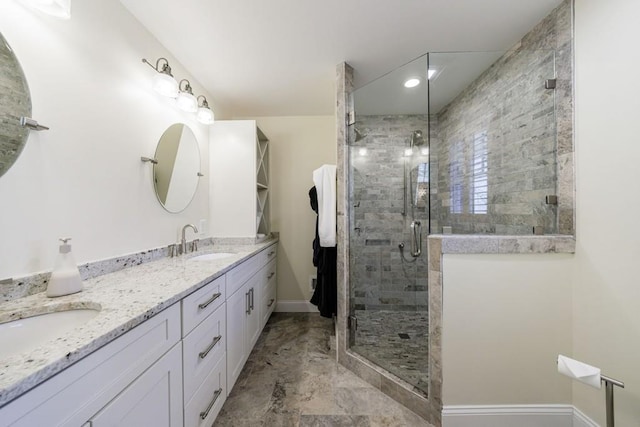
416, 139
359, 135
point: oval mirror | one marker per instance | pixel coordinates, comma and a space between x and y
176, 173
15, 102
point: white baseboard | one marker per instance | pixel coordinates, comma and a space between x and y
581, 420
293, 306
515, 415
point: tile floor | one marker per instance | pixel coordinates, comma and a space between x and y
292, 379
397, 341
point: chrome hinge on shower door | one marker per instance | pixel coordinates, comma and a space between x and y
351, 118
352, 323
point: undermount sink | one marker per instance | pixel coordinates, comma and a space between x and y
212, 257
29, 333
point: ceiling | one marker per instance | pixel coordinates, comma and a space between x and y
278, 57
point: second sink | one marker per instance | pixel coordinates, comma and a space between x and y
212, 257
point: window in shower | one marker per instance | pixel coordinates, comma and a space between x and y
480, 174
456, 175
422, 185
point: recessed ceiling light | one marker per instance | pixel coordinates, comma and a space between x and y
412, 82
430, 73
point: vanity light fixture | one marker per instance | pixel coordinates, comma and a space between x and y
185, 100
205, 114
163, 81
58, 8
412, 82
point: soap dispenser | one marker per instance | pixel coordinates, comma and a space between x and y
65, 277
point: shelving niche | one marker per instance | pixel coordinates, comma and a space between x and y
262, 183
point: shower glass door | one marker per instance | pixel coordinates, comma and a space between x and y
468, 147
389, 222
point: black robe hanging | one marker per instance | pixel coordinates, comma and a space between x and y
325, 296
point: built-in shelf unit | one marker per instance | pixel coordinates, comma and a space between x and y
239, 179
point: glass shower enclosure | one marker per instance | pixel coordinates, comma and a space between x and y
470, 149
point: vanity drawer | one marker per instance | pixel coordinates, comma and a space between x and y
268, 302
208, 399
202, 349
197, 306
268, 254
243, 272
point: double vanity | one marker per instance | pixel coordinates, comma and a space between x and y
161, 343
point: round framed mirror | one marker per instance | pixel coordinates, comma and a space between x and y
177, 171
15, 102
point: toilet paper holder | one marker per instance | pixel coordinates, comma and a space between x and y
608, 387
592, 376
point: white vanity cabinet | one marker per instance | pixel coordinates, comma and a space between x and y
174, 369
138, 371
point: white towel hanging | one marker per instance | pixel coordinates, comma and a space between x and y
324, 178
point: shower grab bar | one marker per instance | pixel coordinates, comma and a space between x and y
416, 241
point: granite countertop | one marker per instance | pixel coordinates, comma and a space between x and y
126, 298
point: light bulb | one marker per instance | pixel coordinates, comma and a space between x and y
362, 151
165, 85
187, 102
205, 115
408, 152
424, 151
413, 82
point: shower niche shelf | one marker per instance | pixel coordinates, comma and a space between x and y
239, 186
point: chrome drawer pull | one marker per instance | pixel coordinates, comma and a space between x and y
270, 302
271, 275
248, 304
271, 253
216, 395
204, 353
209, 301
251, 307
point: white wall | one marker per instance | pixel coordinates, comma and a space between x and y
84, 177
505, 319
298, 146
607, 288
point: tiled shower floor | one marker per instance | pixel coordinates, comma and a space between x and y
397, 341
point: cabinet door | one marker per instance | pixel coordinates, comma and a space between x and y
237, 307
252, 324
153, 399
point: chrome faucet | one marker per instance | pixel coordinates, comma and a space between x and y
183, 242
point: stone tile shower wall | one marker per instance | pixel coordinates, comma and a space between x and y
506, 142
380, 280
